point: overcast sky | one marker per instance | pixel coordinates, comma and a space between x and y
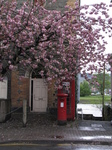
89, 2
83, 2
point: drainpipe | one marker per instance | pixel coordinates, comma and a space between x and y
111, 88
111, 80
103, 98
78, 87
111, 97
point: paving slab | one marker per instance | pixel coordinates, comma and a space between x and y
44, 127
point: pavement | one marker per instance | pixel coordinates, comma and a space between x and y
44, 127
94, 109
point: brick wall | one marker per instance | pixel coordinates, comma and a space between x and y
71, 3
19, 89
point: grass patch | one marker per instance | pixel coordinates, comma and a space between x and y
97, 99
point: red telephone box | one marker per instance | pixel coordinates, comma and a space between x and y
68, 87
62, 109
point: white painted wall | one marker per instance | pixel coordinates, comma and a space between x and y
3, 89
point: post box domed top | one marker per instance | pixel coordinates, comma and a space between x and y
62, 95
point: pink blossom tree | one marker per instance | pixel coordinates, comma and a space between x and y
62, 43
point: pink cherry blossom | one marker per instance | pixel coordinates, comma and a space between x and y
62, 43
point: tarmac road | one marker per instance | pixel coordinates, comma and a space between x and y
66, 146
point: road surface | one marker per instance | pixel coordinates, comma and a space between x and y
63, 146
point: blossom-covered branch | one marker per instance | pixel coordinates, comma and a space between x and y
63, 43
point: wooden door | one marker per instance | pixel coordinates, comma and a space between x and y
40, 94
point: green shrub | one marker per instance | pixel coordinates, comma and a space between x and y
85, 89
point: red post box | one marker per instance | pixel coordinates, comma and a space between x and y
62, 109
